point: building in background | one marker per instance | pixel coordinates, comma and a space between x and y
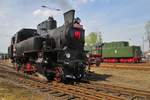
147, 55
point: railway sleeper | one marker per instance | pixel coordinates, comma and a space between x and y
138, 98
71, 97
45, 90
62, 95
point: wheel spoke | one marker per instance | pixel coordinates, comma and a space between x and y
59, 74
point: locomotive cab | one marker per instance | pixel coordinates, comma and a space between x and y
24, 34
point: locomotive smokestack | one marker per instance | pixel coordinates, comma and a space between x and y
69, 17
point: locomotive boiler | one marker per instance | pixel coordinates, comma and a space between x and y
55, 52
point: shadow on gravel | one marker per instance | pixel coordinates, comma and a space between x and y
91, 76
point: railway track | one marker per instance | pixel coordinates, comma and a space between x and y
127, 64
58, 89
98, 91
137, 66
128, 67
124, 92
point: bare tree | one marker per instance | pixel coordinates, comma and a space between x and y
148, 31
99, 38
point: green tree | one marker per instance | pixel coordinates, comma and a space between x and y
92, 39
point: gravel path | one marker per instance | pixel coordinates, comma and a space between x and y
137, 79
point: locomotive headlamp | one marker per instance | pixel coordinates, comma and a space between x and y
87, 55
68, 55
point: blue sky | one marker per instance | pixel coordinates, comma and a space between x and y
117, 20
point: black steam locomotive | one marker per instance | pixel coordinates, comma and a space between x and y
55, 52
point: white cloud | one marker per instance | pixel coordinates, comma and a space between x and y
77, 3
45, 12
84, 1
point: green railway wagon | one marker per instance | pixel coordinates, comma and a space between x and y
122, 54
116, 44
119, 52
129, 51
112, 45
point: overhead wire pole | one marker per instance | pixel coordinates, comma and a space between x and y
50, 8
